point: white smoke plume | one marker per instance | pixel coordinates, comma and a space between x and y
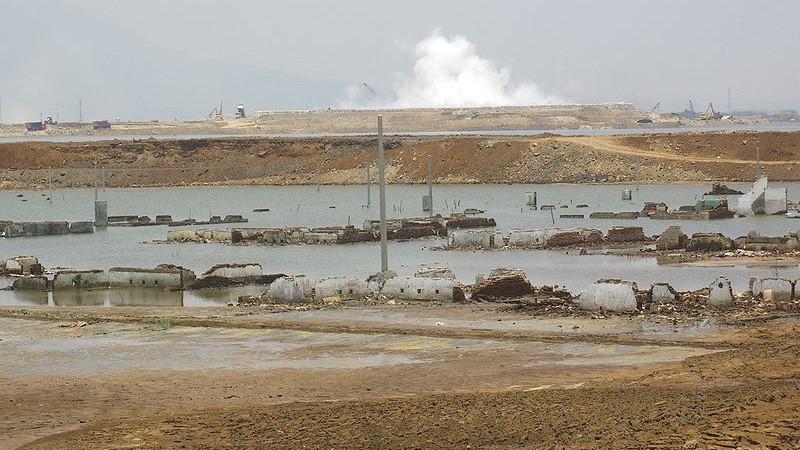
449, 72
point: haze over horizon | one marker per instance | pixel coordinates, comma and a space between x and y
145, 59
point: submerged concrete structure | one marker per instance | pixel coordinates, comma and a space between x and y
341, 288
287, 290
411, 288
609, 295
720, 293
162, 277
772, 288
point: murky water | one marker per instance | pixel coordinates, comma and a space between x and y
33, 348
340, 205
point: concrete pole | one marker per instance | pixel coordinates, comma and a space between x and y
430, 184
382, 195
758, 163
103, 177
94, 176
369, 186
50, 183
318, 164
638, 168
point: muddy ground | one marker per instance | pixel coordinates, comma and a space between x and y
429, 376
690, 157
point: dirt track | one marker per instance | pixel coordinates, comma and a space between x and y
470, 394
691, 157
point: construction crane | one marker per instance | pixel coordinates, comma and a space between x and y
709, 113
216, 113
371, 91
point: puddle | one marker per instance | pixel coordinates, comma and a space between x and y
29, 348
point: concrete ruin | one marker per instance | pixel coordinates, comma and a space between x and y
340, 288
625, 234
162, 277
21, 265
503, 284
755, 242
673, 238
709, 242
609, 295
530, 238
79, 279
615, 215
436, 272
411, 288
475, 239
720, 293
772, 288
30, 283
235, 271
663, 293
761, 199
575, 237
28, 229
287, 290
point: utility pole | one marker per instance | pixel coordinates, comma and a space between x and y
369, 185
638, 168
50, 183
730, 111
382, 194
430, 184
80, 110
95, 179
1, 109
318, 164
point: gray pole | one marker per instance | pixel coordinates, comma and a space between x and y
638, 168
430, 184
369, 185
382, 194
94, 173
80, 110
318, 177
103, 177
758, 163
50, 183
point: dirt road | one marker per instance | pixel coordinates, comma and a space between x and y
696, 385
691, 157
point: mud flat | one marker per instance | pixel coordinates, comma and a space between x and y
494, 377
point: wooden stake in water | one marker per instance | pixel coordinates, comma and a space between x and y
50, 183
318, 177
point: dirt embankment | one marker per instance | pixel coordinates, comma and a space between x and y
543, 117
689, 157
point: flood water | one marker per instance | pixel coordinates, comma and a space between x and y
340, 205
107, 348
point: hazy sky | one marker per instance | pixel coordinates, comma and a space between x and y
142, 59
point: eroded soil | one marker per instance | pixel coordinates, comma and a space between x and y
696, 385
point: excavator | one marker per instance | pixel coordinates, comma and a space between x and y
710, 114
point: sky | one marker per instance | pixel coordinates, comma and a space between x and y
165, 59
